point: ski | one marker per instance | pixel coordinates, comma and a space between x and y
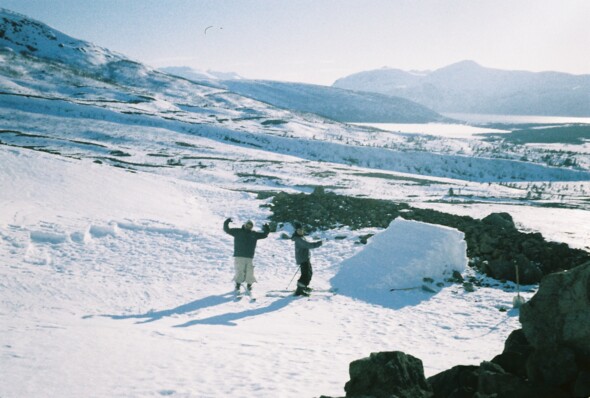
280, 294
238, 295
331, 290
424, 288
250, 295
291, 293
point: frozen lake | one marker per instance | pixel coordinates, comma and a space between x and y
466, 130
450, 130
485, 118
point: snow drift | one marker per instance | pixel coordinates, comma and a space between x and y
399, 258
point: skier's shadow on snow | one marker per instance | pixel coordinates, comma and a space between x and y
152, 316
230, 318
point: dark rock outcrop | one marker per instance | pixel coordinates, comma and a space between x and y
552, 351
500, 221
516, 352
459, 381
558, 316
548, 358
494, 244
387, 374
493, 381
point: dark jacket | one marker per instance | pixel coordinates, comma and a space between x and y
302, 247
244, 240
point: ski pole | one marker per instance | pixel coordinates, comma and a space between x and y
517, 281
405, 288
293, 277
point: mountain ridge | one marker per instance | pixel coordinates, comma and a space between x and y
467, 87
31, 38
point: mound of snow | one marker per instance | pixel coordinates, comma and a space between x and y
400, 257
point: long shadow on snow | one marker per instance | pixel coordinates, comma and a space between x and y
394, 300
152, 316
229, 319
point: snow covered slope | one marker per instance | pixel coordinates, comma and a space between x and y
115, 273
115, 283
208, 76
334, 103
329, 102
35, 38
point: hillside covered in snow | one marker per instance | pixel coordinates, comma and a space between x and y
332, 103
116, 274
45, 73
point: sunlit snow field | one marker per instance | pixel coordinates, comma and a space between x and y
118, 284
115, 272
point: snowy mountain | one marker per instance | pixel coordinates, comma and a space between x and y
466, 87
31, 37
65, 77
329, 102
115, 272
199, 75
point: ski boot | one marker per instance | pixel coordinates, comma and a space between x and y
301, 291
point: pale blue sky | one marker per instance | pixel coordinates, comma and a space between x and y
319, 41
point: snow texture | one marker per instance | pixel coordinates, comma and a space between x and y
122, 282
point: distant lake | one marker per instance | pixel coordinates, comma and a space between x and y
465, 130
437, 129
484, 118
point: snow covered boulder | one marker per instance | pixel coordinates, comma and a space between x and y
400, 257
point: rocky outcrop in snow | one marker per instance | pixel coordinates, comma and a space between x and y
386, 374
548, 358
494, 245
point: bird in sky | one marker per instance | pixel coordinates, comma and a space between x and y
210, 27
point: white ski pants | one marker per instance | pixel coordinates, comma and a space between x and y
244, 270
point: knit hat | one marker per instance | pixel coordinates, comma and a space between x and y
297, 225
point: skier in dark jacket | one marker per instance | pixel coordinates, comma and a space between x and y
244, 246
302, 258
